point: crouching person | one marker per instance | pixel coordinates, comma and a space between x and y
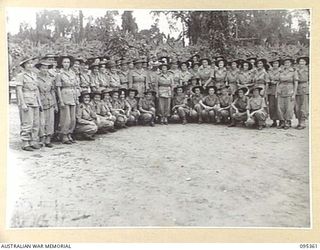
256, 109
117, 110
104, 124
147, 108
196, 108
134, 113
223, 113
238, 110
210, 105
107, 106
86, 118
180, 107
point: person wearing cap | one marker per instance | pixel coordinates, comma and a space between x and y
164, 83
94, 77
256, 109
185, 74
104, 124
180, 108
232, 76
66, 83
210, 104
274, 74
220, 75
29, 104
175, 72
302, 95
106, 110
194, 103
147, 108
86, 126
225, 100
48, 101
133, 103
124, 74
261, 77
245, 77
103, 76
206, 73
138, 78
238, 110
118, 109
286, 92
113, 74
85, 80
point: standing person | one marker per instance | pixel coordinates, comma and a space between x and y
66, 83
29, 104
206, 73
175, 72
220, 75
134, 111
185, 75
225, 100
138, 78
274, 74
286, 92
245, 77
85, 82
118, 110
114, 77
232, 76
152, 77
256, 109
252, 60
124, 74
164, 83
302, 94
103, 76
210, 104
195, 70
238, 110
48, 101
180, 106
195, 58
76, 68
104, 124
261, 78
94, 77
147, 108
86, 126
195, 106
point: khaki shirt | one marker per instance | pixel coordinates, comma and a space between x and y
85, 80
205, 74
303, 84
30, 88
165, 83
124, 76
287, 78
146, 104
67, 81
94, 80
245, 77
195, 99
256, 103
274, 75
241, 103
85, 113
114, 80
211, 100
47, 93
180, 100
185, 77
261, 78
225, 100
133, 103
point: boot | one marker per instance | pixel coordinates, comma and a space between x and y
42, 141
65, 140
165, 121
302, 124
88, 137
286, 124
281, 124
48, 143
274, 124
35, 145
232, 124
152, 122
184, 121
71, 139
26, 146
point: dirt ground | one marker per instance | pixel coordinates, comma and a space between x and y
171, 176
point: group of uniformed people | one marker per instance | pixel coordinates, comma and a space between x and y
69, 98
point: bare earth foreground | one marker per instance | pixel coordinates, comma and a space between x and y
193, 175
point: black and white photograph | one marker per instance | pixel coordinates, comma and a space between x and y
158, 118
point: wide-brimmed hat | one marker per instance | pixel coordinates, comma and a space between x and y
105, 91
194, 78
84, 92
61, 57
79, 59
186, 62
205, 59
195, 55
132, 90
49, 55
96, 92
164, 64
216, 57
179, 87
263, 60
249, 63
39, 64
195, 63
276, 60
254, 88
139, 60
252, 58
164, 59
244, 89
115, 90
306, 58
150, 91
287, 58
174, 61
111, 64
237, 61
25, 60
211, 87
94, 65
123, 90
124, 62
221, 60
197, 87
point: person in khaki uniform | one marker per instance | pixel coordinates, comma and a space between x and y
302, 95
104, 124
107, 106
118, 111
124, 74
66, 83
103, 76
286, 92
256, 109
86, 126
85, 81
94, 76
245, 76
238, 110
113, 75
175, 72
134, 111
220, 75
261, 77
29, 104
138, 78
210, 105
206, 72
147, 108
232, 76
49, 103
194, 104
225, 100
185, 75
180, 107
274, 74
